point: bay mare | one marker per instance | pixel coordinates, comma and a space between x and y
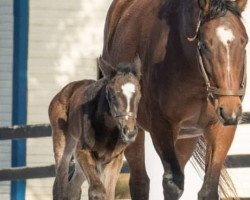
193, 82
94, 121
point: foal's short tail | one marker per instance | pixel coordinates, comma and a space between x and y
226, 186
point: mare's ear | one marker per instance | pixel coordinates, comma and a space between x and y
105, 67
241, 4
137, 63
204, 5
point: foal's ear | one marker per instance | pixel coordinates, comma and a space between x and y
137, 63
241, 4
105, 67
204, 5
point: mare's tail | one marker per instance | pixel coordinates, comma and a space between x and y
226, 186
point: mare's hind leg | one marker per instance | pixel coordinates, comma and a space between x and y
139, 181
89, 166
111, 175
219, 139
173, 178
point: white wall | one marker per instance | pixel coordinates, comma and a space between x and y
6, 48
65, 37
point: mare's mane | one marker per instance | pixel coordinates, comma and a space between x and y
218, 8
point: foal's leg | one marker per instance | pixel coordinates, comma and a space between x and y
61, 180
58, 121
219, 139
111, 175
89, 167
139, 181
59, 146
75, 183
173, 178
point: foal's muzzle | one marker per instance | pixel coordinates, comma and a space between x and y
127, 126
127, 134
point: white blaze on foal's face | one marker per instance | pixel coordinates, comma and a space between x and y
226, 36
128, 89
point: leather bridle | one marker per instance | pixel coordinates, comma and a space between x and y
212, 91
124, 114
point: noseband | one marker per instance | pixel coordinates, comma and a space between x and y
124, 114
211, 90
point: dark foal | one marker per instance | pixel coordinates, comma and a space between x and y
193, 82
94, 121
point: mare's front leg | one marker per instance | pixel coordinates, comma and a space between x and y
219, 139
173, 179
139, 181
111, 174
89, 167
184, 150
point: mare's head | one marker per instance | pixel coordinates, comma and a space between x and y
220, 40
123, 93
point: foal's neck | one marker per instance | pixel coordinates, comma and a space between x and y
103, 113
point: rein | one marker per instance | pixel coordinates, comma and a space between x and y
214, 91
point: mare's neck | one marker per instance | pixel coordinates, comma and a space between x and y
183, 23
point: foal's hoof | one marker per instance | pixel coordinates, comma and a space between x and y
171, 190
97, 196
97, 193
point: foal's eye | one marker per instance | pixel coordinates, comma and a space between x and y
203, 46
111, 96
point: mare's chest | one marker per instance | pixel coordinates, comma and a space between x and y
188, 118
185, 107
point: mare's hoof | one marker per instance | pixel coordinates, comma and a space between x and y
208, 196
171, 190
97, 193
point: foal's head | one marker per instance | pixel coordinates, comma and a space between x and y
222, 40
123, 94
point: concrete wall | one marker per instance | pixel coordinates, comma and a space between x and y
6, 47
65, 37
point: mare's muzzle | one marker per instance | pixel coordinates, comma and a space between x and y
229, 110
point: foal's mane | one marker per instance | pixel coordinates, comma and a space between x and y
218, 8
127, 68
